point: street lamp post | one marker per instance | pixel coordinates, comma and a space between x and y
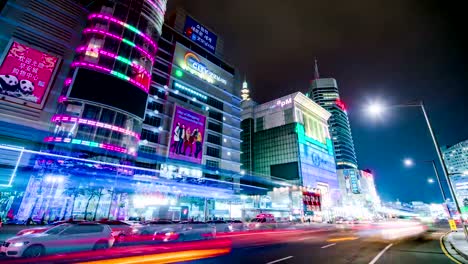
376, 109
409, 162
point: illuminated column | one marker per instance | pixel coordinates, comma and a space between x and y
245, 93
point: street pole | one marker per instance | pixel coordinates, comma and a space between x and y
440, 186
444, 168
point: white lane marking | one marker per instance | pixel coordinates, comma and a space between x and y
380, 254
279, 260
330, 245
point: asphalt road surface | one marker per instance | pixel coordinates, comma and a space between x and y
344, 247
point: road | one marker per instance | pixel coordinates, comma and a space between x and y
323, 244
344, 247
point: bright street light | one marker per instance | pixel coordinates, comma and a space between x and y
430, 180
408, 162
375, 108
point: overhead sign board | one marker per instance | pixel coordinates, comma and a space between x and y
200, 35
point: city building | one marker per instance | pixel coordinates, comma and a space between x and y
456, 160
190, 75
147, 126
288, 139
324, 91
37, 43
359, 196
456, 157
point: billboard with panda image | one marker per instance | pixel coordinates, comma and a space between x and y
26, 74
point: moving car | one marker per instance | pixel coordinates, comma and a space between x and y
150, 227
36, 230
185, 231
120, 230
263, 221
60, 239
236, 225
220, 225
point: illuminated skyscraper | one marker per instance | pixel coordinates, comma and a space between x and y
324, 91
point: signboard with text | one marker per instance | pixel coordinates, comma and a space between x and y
26, 74
200, 35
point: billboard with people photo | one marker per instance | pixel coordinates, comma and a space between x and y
26, 74
187, 135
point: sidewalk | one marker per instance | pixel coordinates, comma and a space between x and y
458, 242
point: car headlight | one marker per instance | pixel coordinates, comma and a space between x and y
27, 232
169, 234
20, 244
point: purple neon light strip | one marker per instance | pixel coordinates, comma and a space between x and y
114, 56
89, 144
132, 28
107, 70
105, 33
67, 118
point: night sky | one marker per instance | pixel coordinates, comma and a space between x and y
392, 51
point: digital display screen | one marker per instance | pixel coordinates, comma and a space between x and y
108, 90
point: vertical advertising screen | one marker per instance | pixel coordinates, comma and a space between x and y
187, 135
352, 181
26, 74
200, 35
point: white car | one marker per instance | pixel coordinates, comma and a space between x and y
60, 239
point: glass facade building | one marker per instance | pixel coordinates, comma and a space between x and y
324, 91
290, 141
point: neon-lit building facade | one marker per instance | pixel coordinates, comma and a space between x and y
104, 98
289, 139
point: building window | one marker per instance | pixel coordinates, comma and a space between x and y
214, 139
212, 164
149, 135
216, 115
215, 127
214, 103
213, 152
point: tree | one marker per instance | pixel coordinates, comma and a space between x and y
73, 192
92, 193
99, 195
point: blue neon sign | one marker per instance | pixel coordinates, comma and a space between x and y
200, 35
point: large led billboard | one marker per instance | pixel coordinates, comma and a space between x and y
317, 166
109, 90
187, 135
26, 74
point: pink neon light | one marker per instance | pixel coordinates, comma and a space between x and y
98, 31
90, 65
138, 67
107, 70
88, 143
68, 81
62, 99
65, 118
112, 19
